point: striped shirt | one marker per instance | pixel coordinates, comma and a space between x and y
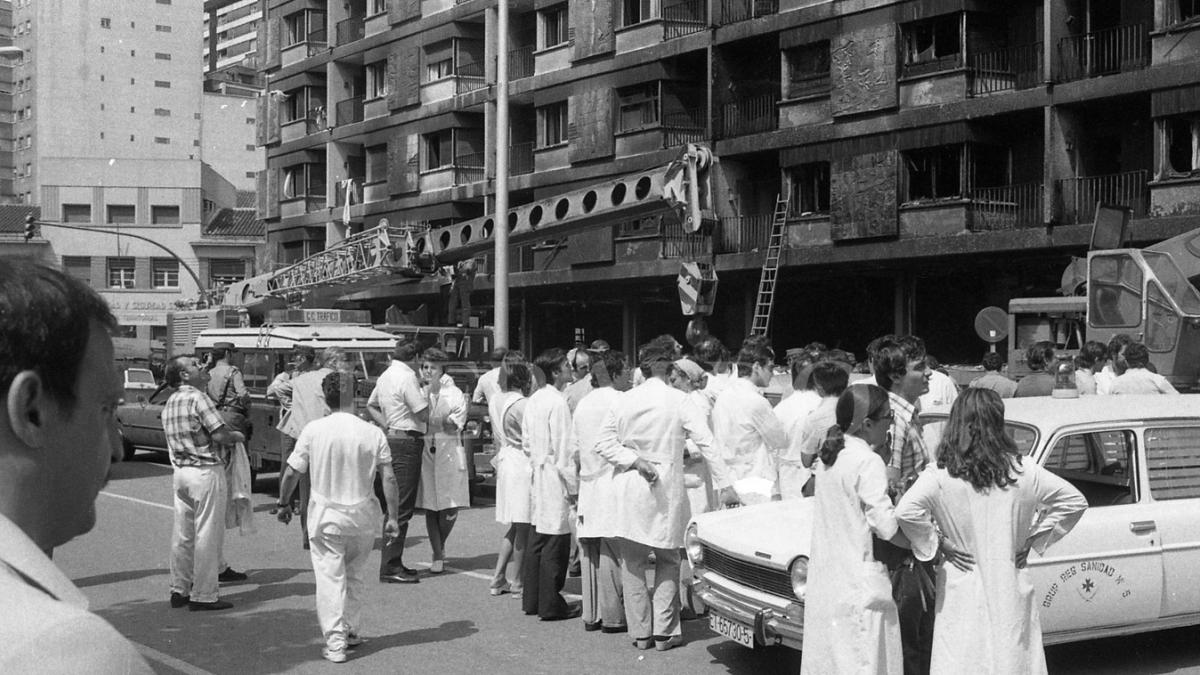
907, 443
189, 418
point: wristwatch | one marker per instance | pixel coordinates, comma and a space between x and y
282, 505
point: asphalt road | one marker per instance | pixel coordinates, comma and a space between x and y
445, 624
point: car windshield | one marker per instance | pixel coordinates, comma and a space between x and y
139, 376
374, 363
933, 426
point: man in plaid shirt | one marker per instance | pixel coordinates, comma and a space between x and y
195, 435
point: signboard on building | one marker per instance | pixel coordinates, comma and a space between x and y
141, 309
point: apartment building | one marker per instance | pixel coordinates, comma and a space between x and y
110, 105
230, 33
939, 156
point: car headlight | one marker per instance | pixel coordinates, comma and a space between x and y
691, 543
799, 573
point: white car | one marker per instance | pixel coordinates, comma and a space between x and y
1132, 563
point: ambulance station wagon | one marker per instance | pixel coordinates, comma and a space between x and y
1131, 565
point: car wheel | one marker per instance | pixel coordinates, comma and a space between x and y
127, 449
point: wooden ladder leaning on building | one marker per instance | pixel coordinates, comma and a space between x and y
770, 270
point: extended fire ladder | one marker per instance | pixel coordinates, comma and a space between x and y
770, 271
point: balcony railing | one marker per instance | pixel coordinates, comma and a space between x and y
750, 116
681, 128
1080, 195
470, 77
679, 243
1006, 207
350, 30
733, 11
930, 66
683, 17
743, 234
808, 85
520, 158
350, 111
1112, 50
1006, 69
520, 62
340, 191
469, 168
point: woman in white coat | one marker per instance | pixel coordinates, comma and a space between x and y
514, 473
987, 498
445, 486
850, 620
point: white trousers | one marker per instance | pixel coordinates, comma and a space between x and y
339, 564
650, 610
199, 534
601, 582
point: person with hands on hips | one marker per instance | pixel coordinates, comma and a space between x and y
341, 453
445, 486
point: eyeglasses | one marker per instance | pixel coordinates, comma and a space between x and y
887, 417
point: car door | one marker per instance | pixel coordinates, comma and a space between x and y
1173, 477
1108, 570
141, 421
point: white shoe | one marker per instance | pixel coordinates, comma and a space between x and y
437, 567
334, 655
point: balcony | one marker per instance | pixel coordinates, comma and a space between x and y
1006, 207
750, 116
743, 234
520, 158
732, 11
683, 127
350, 30
683, 17
469, 77
1005, 69
520, 62
679, 243
314, 43
469, 168
349, 111
1079, 196
1105, 52
340, 192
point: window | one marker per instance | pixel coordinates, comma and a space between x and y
1180, 136
552, 124
810, 188
125, 331
163, 2
162, 29
635, 11
554, 26
28, 112
79, 267
162, 112
120, 273
105, 22
303, 180
162, 140
439, 60
376, 164
133, 52
378, 7
637, 106
131, 109
1173, 462
121, 214
376, 80
251, 147
28, 169
164, 215
932, 44
304, 26
437, 150
250, 121
162, 84
158, 333
161, 56
933, 173
808, 69
1099, 464
76, 213
224, 271
1117, 298
164, 273
1186, 10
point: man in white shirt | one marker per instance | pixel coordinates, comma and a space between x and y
580, 363
746, 428
645, 431
1137, 378
341, 454
58, 438
398, 405
942, 389
792, 411
603, 607
546, 439
488, 384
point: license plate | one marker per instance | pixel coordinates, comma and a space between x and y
736, 631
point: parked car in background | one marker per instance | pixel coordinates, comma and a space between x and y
139, 421
1129, 565
138, 381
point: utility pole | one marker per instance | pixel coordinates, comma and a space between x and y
30, 223
500, 254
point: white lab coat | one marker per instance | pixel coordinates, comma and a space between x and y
696, 476
850, 620
748, 433
514, 476
596, 509
546, 438
792, 412
987, 619
651, 422
444, 477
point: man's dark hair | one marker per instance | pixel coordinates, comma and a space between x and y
753, 352
874, 345
331, 387
550, 361
653, 356
755, 341
1136, 355
669, 342
434, 355
497, 355
45, 324
1091, 354
405, 350
830, 378
891, 357
515, 376
610, 362
1039, 355
1117, 343
993, 361
709, 351
218, 354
